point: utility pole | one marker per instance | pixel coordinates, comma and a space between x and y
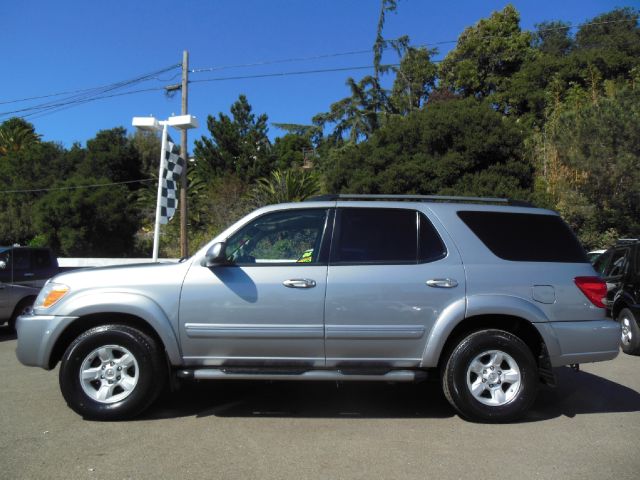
184, 241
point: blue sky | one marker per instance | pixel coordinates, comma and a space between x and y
49, 47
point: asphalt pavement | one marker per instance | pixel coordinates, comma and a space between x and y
586, 428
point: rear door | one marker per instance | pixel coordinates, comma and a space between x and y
615, 269
390, 277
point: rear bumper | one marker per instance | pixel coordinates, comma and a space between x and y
580, 342
37, 334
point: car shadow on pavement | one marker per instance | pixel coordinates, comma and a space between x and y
303, 400
581, 393
7, 334
577, 393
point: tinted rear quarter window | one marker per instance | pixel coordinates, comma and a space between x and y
431, 247
525, 237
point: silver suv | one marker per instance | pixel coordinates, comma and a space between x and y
485, 293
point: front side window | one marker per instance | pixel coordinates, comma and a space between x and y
291, 237
5, 265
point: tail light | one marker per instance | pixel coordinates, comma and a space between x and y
594, 288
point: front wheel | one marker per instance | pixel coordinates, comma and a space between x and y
112, 372
630, 341
491, 376
22, 308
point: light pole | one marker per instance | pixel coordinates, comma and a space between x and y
180, 122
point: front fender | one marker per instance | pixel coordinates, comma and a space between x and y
476, 305
134, 304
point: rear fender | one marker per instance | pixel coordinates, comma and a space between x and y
481, 306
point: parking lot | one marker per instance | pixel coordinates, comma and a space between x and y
587, 428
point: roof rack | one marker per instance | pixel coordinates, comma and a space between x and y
622, 241
418, 198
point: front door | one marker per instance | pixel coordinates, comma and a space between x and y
266, 307
6, 306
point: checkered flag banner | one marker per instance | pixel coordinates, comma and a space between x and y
173, 167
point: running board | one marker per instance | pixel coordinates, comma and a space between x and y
320, 375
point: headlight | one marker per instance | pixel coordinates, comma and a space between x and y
50, 294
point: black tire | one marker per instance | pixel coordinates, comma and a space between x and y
519, 385
148, 369
24, 306
630, 341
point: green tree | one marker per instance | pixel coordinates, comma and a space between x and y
238, 145
148, 145
553, 38
460, 147
25, 174
589, 156
357, 115
16, 134
91, 222
112, 155
290, 150
610, 42
487, 56
415, 79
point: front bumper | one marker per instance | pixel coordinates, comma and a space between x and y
37, 335
580, 342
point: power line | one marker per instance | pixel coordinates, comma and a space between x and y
360, 52
19, 100
285, 74
82, 95
286, 60
64, 106
77, 187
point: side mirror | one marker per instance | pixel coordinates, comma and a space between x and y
216, 255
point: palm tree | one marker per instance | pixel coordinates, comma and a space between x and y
357, 115
285, 186
15, 134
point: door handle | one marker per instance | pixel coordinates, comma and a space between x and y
29, 274
442, 283
299, 283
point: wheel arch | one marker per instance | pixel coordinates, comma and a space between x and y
518, 326
623, 300
478, 312
83, 323
26, 300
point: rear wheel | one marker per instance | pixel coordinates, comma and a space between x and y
491, 376
630, 340
112, 372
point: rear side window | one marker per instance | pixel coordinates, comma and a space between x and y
525, 237
375, 235
618, 264
40, 259
385, 236
602, 262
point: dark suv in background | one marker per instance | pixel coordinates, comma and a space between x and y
620, 268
